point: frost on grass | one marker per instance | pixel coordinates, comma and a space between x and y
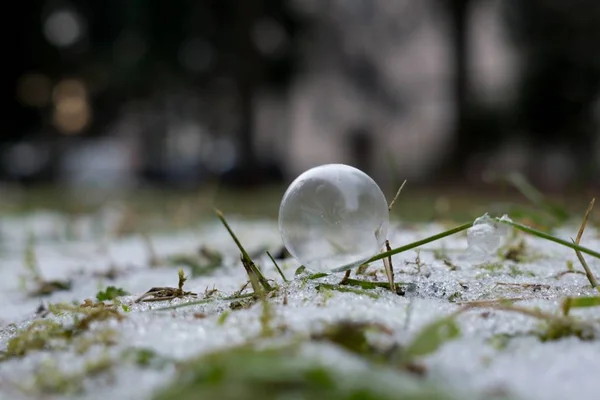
522, 322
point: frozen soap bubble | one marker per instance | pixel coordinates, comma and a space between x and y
333, 218
485, 237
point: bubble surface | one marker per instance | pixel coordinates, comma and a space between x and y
333, 218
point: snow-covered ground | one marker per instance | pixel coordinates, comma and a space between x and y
498, 353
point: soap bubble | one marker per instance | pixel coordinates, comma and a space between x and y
333, 218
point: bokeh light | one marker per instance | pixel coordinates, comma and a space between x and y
63, 28
72, 112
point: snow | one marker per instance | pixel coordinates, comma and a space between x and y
525, 367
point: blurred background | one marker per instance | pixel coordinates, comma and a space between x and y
180, 94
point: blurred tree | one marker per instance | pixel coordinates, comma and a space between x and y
477, 128
19, 117
465, 141
560, 83
144, 50
30, 67
227, 51
256, 45
458, 14
557, 42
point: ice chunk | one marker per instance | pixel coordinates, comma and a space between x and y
485, 237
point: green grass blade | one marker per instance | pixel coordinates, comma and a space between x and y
251, 268
536, 197
432, 337
277, 267
421, 242
549, 237
579, 302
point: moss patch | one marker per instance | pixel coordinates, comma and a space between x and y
248, 373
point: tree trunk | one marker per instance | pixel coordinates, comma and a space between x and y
248, 76
464, 142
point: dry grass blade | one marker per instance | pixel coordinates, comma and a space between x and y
167, 293
588, 271
389, 268
585, 220
396, 196
234, 297
345, 278
254, 280
387, 262
504, 306
493, 302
